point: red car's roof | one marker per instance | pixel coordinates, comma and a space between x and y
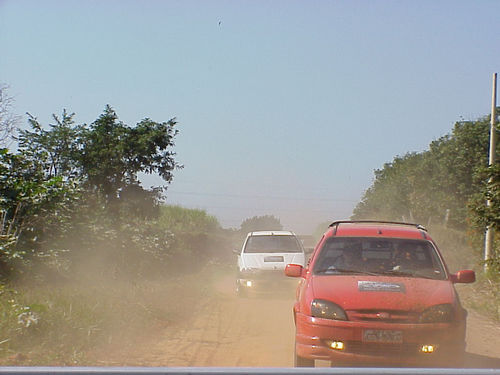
375, 229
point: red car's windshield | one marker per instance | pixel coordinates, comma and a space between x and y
388, 256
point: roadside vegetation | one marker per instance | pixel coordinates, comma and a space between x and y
88, 257
69, 308
445, 188
90, 260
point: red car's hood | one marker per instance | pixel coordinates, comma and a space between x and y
358, 292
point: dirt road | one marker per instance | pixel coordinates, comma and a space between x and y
258, 332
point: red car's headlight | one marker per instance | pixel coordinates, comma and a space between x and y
437, 314
327, 310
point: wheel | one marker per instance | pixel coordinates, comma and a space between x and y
302, 362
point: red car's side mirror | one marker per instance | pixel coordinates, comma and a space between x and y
464, 277
293, 270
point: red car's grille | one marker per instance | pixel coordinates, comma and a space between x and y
377, 349
386, 316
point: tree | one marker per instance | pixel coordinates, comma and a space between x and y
34, 209
105, 157
70, 181
56, 149
8, 120
256, 223
455, 163
112, 153
424, 186
389, 197
483, 215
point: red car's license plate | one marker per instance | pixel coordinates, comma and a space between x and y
382, 335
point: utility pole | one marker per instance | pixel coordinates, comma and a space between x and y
488, 242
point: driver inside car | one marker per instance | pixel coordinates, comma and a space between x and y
404, 258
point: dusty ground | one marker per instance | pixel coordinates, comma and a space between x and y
228, 331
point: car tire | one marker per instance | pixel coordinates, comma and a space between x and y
302, 362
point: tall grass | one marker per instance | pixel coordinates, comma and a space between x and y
60, 325
482, 296
180, 219
197, 235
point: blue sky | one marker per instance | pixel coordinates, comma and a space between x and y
284, 107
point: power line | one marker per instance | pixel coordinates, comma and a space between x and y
207, 207
260, 196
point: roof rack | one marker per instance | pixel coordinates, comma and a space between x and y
336, 223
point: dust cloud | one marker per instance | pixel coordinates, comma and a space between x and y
221, 329
176, 314
224, 330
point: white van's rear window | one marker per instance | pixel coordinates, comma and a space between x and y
273, 244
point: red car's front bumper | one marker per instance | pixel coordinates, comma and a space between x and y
314, 335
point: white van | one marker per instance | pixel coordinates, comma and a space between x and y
262, 260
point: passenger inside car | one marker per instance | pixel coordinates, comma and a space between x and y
350, 259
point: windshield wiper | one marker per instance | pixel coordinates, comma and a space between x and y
344, 270
405, 273
396, 273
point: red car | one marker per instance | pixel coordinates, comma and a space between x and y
378, 293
